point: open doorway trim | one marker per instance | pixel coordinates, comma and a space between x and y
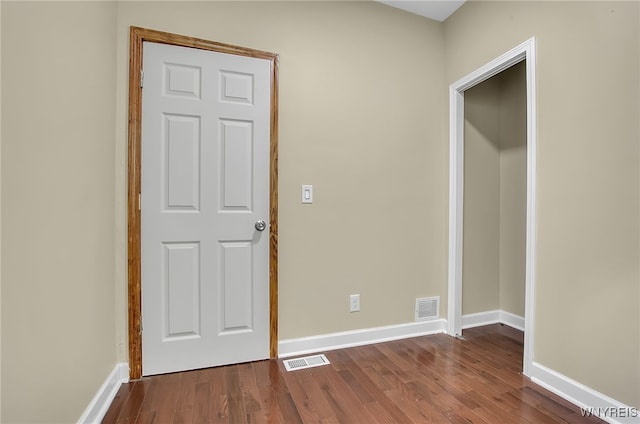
525, 51
137, 37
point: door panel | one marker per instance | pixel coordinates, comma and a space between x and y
182, 289
237, 153
205, 182
182, 167
237, 314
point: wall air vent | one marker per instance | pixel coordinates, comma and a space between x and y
306, 362
427, 308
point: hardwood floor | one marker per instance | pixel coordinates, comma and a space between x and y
434, 378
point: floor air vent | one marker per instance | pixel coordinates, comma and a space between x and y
427, 308
306, 362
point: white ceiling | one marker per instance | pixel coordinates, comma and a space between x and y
438, 10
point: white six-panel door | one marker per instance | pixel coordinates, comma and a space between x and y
205, 184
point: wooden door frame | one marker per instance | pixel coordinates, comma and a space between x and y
137, 37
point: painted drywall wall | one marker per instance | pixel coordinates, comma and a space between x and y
513, 188
0, 219
587, 278
359, 118
58, 120
493, 275
341, 129
362, 119
481, 237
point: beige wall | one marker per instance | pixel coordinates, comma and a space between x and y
58, 120
493, 274
363, 121
360, 118
587, 287
513, 188
481, 226
363, 118
0, 217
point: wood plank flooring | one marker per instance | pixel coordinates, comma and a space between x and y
435, 378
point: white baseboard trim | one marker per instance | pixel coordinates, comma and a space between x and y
479, 319
332, 341
493, 317
512, 320
606, 408
99, 405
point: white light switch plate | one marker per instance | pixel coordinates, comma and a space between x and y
307, 193
354, 303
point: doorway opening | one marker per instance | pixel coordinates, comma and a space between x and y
521, 59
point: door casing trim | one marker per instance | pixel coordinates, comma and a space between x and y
523, 52
137, 37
